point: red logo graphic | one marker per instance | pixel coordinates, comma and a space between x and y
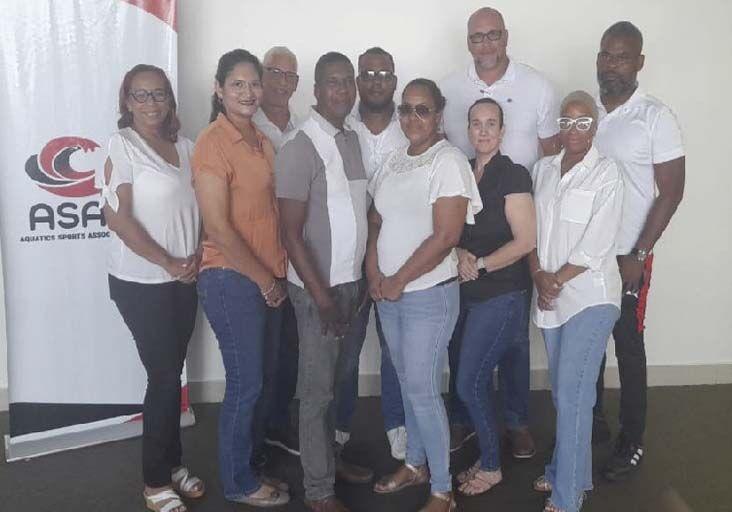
52, 171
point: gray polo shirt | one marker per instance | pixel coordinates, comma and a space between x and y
322, 166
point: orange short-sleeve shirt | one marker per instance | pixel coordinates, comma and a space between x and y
249, 173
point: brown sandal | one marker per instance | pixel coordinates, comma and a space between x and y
550, 507
481, 482
406, 476
438, 501
466, 475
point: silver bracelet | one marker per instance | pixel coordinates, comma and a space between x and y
271, 289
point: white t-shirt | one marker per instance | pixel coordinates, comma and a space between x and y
577, 221
376, 148
276, 136
404, 190
163, 202
641, 132
529, 102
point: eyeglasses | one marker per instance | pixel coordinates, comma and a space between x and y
289, 76
479, 37
621, 59
382, 76
581, 123
141, 95
422, 111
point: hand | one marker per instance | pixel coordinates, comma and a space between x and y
193, 262
176, 267
631, 272
278, 294
547, 284
545, 303
375, 281
331, 318
467, 265
391, 288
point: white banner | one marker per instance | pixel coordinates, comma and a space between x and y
71, 359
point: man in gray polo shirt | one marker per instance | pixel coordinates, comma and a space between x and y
321, 186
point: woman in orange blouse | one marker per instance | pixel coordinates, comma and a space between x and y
243, 263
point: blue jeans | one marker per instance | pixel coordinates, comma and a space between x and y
286, 380
575, 351
513, 377
248, 333
418, 327
489, 329
392, 408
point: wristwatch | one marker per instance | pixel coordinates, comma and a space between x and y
640, 254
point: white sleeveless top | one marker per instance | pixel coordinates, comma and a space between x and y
163, 202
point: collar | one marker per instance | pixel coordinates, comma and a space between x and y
232, 133
589, 161
508, 76
638, 95
356, 113
324, 124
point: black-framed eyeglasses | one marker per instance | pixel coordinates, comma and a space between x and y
289, 76
491, 35
615, 59
141, 95
421, 110
383, 75
581, 123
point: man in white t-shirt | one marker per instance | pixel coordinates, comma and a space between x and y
530, 106
279, 82
643, 136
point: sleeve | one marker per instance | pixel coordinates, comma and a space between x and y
666, 138
548, 112
598, 240
451, 176
516, 181
295, 168
119, 156
208, 158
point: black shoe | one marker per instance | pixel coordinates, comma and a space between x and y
600, 430
459, 435
625, 461
285, 440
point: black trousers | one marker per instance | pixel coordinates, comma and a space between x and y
161, 318
630, 350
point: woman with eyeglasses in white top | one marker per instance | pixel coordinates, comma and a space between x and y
578, 196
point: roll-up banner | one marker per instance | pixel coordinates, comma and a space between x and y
75, 378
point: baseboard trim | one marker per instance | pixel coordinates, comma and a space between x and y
369, 384
672, 375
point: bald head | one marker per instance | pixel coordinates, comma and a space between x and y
279, 53
485, 15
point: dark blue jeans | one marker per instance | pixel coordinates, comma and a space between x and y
286, 379
248, 333
392, 407
513, 377
489, 329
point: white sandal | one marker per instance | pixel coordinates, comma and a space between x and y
187, 485
164, 501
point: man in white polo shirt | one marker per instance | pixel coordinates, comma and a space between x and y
321, 186
643, 136
530, 106
279, 82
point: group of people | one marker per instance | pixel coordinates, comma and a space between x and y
461, 212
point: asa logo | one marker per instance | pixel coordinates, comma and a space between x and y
51, 169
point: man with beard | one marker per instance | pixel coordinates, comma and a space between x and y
531, 108
379, 133
643, 136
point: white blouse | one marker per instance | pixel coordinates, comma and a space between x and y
404, 190
163, 202
578, 219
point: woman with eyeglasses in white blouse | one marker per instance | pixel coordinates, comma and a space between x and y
578, 196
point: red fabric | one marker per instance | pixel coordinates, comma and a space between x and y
161, 9
640, 312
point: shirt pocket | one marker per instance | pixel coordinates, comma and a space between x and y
577, 206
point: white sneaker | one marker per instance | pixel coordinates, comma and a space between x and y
342, 437
398, 442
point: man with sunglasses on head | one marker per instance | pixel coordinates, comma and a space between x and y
643, 136
279, 82
531, 108
376, 122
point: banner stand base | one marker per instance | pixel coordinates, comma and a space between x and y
19, 449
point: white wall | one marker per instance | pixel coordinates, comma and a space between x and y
687, 65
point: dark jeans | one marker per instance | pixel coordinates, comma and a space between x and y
392, 408
286, 380
489, 329
513, 376
248, 333
161, 318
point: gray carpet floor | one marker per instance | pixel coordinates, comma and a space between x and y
688, 461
